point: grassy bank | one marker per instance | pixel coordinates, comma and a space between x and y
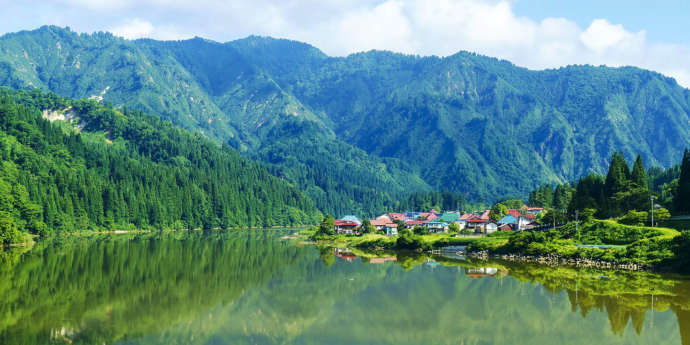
657, 247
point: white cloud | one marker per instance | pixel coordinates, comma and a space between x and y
133, 28
340, 27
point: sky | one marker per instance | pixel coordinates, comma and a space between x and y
536, 34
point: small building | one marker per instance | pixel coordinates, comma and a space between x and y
345, 227
490, 227
505, 227
477, 224
436, 226
391, 229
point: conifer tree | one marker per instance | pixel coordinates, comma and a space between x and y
639, 175
681, 200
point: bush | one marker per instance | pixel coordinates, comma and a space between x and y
634, 218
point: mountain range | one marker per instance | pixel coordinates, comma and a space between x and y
358, 133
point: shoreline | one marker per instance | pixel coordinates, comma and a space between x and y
558, 261
34, 238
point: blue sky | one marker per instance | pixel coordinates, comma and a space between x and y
665, 20
532, 33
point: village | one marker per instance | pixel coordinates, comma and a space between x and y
525, 218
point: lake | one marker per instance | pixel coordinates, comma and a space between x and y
253, 287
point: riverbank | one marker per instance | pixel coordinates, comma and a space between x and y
597, 243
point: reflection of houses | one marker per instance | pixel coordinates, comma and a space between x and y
382, 260
480, 272
345, 254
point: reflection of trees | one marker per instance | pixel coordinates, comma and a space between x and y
105, 289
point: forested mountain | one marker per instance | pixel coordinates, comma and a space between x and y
358, 132
73, 165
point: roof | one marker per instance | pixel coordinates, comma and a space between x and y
466, 216
535, 209
339, 222
415, 222
436, 223
383, 217
449, 217
380, 222
513, 212
398, 216
477, 220
485, 215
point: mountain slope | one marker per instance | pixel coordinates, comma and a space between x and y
96, 167
463, 123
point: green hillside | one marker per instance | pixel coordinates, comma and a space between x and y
98, 167
465, 123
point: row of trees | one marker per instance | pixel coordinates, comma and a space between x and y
622, 192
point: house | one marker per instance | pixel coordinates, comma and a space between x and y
380, 224
386, 225
477, 224
436, 226
490, 227
391, 229
505, 227
518, 220
345, 227
461, 223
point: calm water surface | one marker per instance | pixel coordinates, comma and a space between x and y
255, 288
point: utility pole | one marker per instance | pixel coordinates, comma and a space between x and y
651, 197
553, 212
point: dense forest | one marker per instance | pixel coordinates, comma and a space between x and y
466, 123
105, 168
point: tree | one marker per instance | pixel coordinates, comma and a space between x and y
420, 230
617, 181
562, 196
498, 211
634, 218
8, 229
453, 228
367, 228
681, 200
639, 175
513, 203
660, 215
327, 227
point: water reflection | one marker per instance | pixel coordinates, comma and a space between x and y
254, 288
